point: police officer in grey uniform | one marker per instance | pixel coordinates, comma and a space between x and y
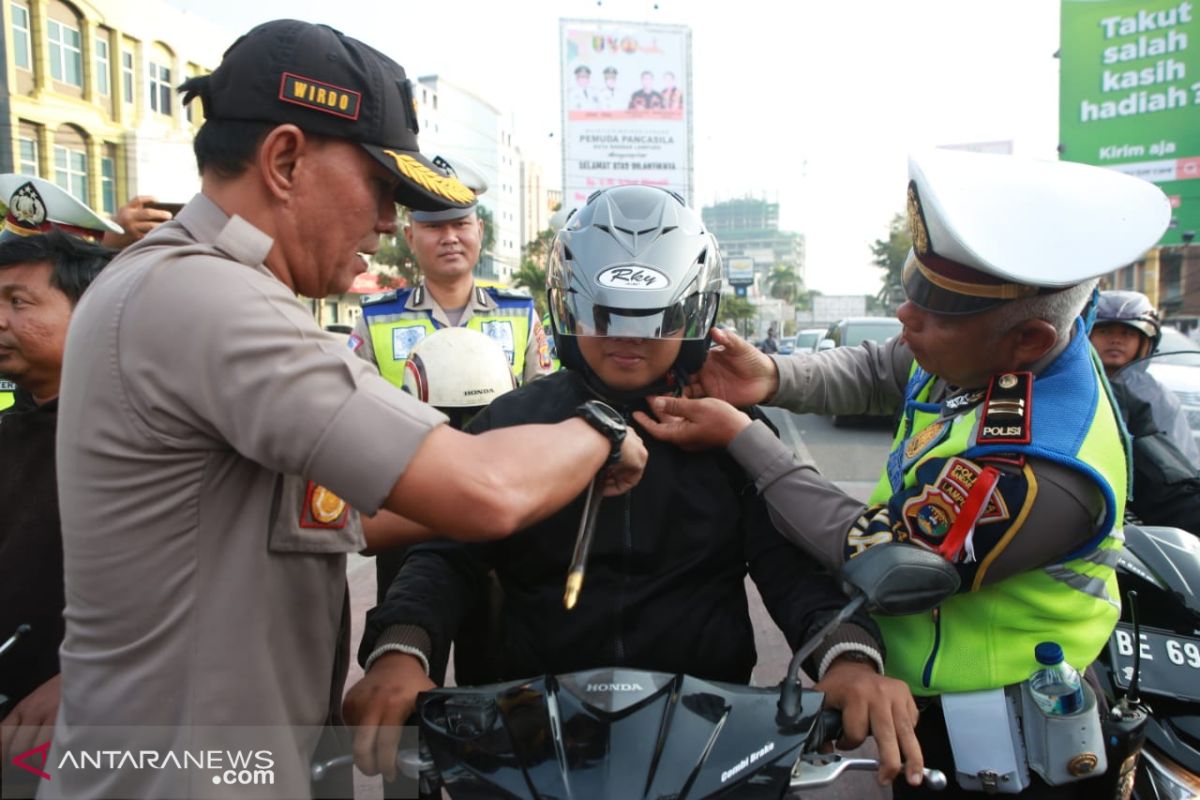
1008, 459
215, 446
446, 245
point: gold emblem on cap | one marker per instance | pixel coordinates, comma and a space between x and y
916, 221
326, 506
1007, 381
442, 185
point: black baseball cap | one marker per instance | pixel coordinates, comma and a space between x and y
325, 83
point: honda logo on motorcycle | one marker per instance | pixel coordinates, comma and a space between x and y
615, 687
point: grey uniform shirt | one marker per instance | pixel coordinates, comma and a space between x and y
202, 413
870, 378
480, 302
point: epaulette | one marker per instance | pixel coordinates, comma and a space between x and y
382, 297
1007, 410
507, 294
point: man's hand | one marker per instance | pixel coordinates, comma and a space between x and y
735, 371
693, 424
137, 220
879, 706
378, 706
31, 722
625, 474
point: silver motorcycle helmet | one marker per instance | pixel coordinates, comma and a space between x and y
1133, 309
634, 262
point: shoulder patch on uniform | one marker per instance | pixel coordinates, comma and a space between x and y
543, 346
382, 297
322, 508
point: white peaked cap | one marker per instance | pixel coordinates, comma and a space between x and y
1037, 223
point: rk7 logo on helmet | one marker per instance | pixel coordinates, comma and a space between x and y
632, 278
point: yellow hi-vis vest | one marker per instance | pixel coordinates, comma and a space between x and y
983, 638
395, 330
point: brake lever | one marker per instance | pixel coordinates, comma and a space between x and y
813, 770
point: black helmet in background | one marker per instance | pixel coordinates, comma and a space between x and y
1133, 309
634, 262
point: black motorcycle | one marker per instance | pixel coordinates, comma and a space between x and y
1162, 565
628, 733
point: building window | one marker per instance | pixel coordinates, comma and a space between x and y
66, 54
127, 75
102, 66
70, 172
108, 185
28, 152
160, 89
21, 41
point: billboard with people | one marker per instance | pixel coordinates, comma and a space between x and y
1130, 95
626, 100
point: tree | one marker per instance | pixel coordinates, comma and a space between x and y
489, 228
740, 310
784, 284
395, 254
889, 255
532, 272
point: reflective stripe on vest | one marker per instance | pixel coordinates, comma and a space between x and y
984, 638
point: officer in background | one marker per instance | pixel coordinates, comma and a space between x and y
1008, 458
133, 221
446, 245
32, 205
43, 274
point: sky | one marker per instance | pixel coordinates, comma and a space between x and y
814, 105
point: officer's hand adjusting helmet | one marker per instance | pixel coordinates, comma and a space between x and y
457, 371
634, 262
1133, 309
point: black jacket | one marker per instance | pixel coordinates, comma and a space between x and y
665, 581
31, 554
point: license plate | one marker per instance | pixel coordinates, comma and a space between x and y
1170, 663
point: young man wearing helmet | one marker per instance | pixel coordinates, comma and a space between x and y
1166, 485
634, 281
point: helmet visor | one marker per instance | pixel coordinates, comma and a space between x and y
689, 318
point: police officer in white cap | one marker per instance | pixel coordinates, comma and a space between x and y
1008, 459
446, 245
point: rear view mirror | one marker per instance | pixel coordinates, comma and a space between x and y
898, 579
826, 344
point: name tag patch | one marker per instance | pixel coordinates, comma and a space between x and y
320, 96
404, 340
502, 333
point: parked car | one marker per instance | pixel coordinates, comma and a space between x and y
807, 339
1177, 369
787, 345
853, 331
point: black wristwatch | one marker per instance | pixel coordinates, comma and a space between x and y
609, 422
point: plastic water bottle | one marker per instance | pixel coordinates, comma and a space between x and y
1055, 686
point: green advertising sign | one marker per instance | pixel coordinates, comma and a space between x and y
1130, 95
